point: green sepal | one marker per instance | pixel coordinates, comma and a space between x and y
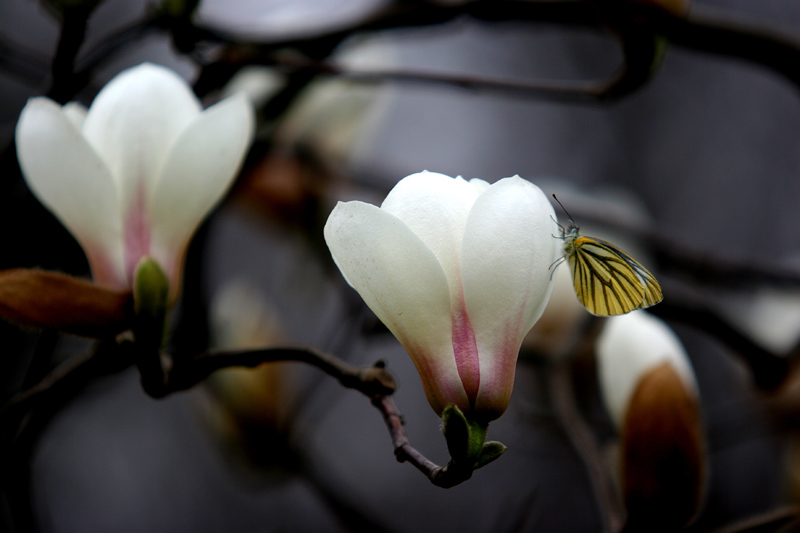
456, 432
491, 451
464, 437
150, 304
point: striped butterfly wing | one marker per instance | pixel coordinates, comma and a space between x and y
608, 281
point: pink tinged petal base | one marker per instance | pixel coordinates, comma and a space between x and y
497, 381
403, 283
465, 350
137, 232
435, 208
441, 384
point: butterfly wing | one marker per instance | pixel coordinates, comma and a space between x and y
608, 281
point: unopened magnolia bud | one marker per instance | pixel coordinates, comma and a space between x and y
651, 394
663, 453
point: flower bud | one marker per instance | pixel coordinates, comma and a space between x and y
650, 391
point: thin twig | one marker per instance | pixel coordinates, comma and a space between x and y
768, 369
563, 394
575, 92
106, 49
371, 381
399, 15
403, 450
446, 476
375, 381
72, 374
633, 23
26, 416
706, 31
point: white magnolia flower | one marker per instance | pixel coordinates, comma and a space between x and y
134, 175
459, 272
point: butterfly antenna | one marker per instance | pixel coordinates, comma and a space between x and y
565, 209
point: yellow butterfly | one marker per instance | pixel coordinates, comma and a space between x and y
607, 280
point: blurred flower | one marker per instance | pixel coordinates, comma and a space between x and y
134, 176
328, 130
459, 272
250, 408
336, 119
267, 20
650, 391
258, 82
769, 315
241, 319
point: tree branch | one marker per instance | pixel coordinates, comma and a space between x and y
446, 476
768, 369
715, 34
70, 377
375, 381
636, 26
371, 381
73, 31
574, 92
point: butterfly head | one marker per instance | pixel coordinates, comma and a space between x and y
570, 234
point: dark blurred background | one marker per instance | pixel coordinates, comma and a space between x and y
708, 152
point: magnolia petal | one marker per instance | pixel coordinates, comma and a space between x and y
134, 122
69, 178
199, 170
630, 346
507, 251
435, 208
75, 113
401, 280
479, 184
